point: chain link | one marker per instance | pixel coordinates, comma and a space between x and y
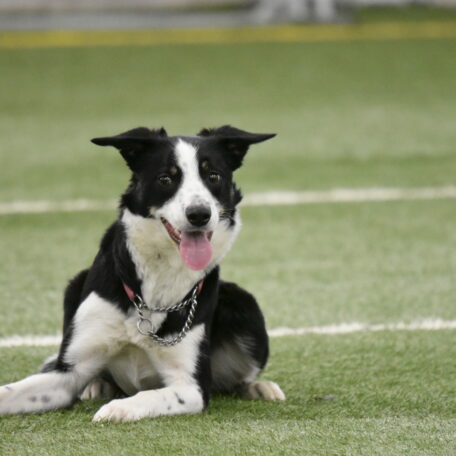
165, 342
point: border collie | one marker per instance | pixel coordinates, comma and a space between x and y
150, 325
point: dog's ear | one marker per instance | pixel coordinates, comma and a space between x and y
236, 142
133, 143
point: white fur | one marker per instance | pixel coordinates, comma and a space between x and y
38, 393
175, 400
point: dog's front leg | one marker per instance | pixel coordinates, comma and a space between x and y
184, 370
171, 400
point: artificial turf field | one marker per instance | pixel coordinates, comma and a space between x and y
349, 114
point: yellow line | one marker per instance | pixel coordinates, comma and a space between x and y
264, 34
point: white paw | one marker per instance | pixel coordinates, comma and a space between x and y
270, 391
6, 394
5, 391
120, 411
98, 389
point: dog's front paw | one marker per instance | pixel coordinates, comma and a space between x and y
6, 393
120, 411
270, 391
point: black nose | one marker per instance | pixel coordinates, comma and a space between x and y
198, 215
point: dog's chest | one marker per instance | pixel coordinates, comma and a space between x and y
142, 364
133, 370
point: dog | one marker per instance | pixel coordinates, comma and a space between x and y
150, 325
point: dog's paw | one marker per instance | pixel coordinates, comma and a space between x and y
267, 390
120, 411
6, 393
13, 402
98, 389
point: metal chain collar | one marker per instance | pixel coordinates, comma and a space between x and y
165, 342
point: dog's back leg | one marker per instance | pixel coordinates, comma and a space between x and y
71, 301
89, 342
38, 393
239, 346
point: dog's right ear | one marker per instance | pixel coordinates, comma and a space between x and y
235, 142
132, 144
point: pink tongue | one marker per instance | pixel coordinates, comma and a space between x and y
195, 250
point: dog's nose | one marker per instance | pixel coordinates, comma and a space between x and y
198, 215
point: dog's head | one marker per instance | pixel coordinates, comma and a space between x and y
185, 184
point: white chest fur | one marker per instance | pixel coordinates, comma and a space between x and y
165, 278
104, 337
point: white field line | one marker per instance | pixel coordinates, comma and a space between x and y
43, 207
429, 324
271, 198
349, 195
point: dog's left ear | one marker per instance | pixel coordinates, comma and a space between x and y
134, 143
235, 141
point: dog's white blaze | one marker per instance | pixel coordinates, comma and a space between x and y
192, 190
165, 278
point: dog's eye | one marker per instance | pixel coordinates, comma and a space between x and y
165, 180
214, 178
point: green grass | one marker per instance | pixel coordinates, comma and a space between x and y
409, 13
320, 264
348, 115
364, 394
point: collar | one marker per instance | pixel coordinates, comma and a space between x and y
145, 326
140, 305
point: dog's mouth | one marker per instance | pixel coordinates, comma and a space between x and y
174, 234
194, 247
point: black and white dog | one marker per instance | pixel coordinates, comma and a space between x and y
150, 321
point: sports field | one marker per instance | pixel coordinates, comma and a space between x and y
366, 289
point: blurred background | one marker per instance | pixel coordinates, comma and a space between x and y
45, 14
349, 212
362, 95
